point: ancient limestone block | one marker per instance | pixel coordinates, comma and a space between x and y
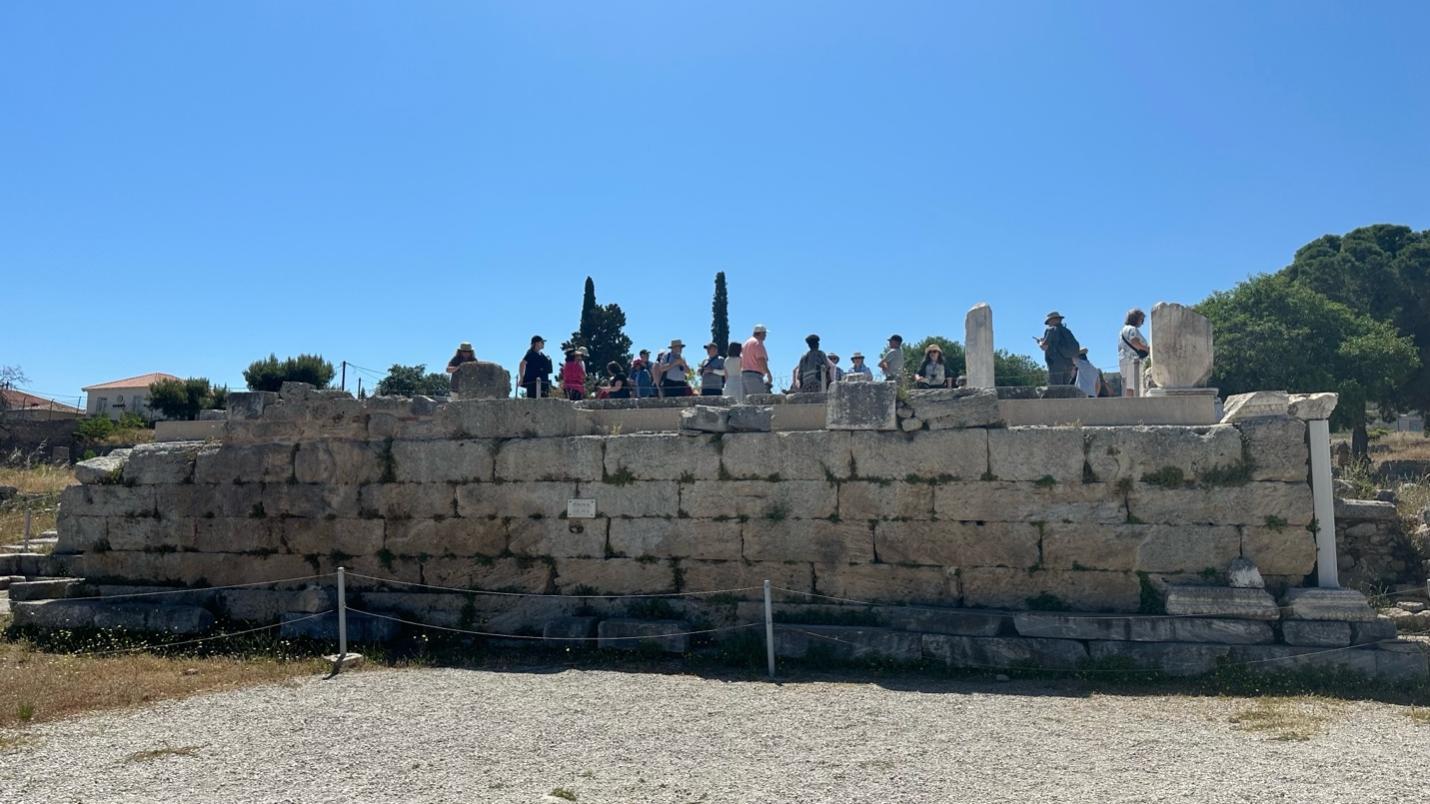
863, 500
649, 498
1146, 548
574, 632
889, 583
964, 622
807, 455
1221, 601
121, 616
516, 418
1002, 652
1325, 633
347, 536
111, 501
459, 461
1083, 590
1256, 404
1280, 551
670, 636
1171, 658
1276, 447
1181, 347
705, 576
847, 643
1131, 453
208, 500
861, 406
481, 380
564, 538
256, 463
306, 500
757, 499
663, 456
750, 418
1290, 658
1347, 605
997, 501
1308, 407
167, 463
229, 535
1187, 549
615, 576
1242, 573
819, 541
249, 404
923, 455
956, 408
704, 419
104, 469
409, 500
514, 499
676, 538
454, 536
80, 534
333, 461
957, 544
552, 459
1285, 504
978, 346
1035, 453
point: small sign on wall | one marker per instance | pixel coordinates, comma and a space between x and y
580, 509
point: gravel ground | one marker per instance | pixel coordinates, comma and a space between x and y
609, 736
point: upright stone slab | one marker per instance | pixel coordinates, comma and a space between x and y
1181, 348
481, 380
862, 406
978, 346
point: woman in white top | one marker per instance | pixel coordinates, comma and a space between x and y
1132, 349
735, 389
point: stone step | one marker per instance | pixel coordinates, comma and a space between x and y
361, 627
138, 617
665, 635
1346, 605
46, 589
846, 643
1225, 631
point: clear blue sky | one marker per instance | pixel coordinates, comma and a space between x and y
186, 186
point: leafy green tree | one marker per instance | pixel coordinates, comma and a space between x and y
720, 315
1008, 368
270, 374
1275, 332
603, 334
183, 399
413, 381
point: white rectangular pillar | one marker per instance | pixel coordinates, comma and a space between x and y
1323, 495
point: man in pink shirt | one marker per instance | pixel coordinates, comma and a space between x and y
755, 364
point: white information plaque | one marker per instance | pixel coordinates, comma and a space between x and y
580, 509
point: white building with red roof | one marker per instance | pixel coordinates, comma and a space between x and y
129, 395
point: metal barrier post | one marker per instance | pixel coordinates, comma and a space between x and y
342, 618
26, 541
769, 632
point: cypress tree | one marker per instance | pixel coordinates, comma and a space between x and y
720, 310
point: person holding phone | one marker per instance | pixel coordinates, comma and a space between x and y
1060, 349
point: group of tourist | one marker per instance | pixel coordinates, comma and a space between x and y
742, 369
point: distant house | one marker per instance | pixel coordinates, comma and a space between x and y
129, 395
20, 405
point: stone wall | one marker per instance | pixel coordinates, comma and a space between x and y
1372, 548
473, 494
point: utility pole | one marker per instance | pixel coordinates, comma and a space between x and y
343, 384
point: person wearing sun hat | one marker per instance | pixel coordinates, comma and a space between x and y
931, 373
464, 354
712, 371
857, 365
1060, 348
673, 370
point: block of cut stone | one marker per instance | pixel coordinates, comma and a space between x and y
1377, 630
1060, 392
1200, 629
70, 614
1243, 574
705, 419
750, 418
978, 346
1369, 510
1181, 346
932, 620
361, 627
1172, 658
1346, 605
1069, 626
45, 589
846, 643
104, 469
1313, 406
664, 635
249, 404
862, 406
1270, 659
1221, 601
1400, 661
1321, 633
481, 380
955, 408
574, 632
1002, 652
1254, 404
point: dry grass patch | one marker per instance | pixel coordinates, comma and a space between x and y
1419, 716
36, 686
38, 479
161, 753
1295, 719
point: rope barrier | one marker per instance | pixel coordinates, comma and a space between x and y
551, 639
269, 627
543, 594
198, 589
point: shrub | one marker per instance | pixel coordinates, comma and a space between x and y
271, 373
183, 399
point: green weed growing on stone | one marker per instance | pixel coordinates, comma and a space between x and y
623, 476
1236, 474
1046, 601
1275, 523
1169, 477
777, 513
1149, 600
1046, 481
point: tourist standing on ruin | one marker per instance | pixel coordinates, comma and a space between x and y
1132, 350
673, 371
812, 375
573, 374
464, 354
755, 363
734, 383
1059, 347
642, 379
618, 385
892, 363
835, 372
857, 365
535, 370
1087, 377
931, 373
712, 372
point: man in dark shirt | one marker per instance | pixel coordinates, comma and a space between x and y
1060, 348
535, 370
